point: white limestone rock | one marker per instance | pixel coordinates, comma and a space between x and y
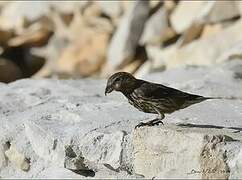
44, 144
17, 158
3, 159
103, 148
71, 125
183, 152
53, 172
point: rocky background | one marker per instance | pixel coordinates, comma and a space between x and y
54, 126
96, 38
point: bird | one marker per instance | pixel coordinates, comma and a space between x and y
150, 97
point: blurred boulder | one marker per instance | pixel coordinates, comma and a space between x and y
99, 24
36, 35
92, 10
132, 67
170, 5
51, 52
85, 56
157, 28
43, 35
5, 35
126, 38
9, 71
211, 30
202, 51
235, 52
1, 50
3, 3
27, 62
67, 7
143, 70
32, 63
217, 11
239, 5
184, 14
14, 13
112, 9
187, 12
139, 58
192, 33
157, 56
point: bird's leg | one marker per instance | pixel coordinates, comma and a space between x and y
153, 122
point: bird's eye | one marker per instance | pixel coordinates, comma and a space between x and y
117, 79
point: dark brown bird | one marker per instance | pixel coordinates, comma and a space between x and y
150, 97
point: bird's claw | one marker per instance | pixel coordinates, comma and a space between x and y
158, 122
140, 125
151, 123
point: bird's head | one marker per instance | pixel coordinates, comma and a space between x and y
120, 81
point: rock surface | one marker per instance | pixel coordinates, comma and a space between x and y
68, 129
184, 152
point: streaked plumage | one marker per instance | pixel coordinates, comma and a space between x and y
151, 97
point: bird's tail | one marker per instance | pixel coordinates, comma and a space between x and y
226, 98
197, 99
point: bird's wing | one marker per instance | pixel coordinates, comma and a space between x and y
166, 98
158, 91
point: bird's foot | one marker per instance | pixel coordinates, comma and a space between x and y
150, 123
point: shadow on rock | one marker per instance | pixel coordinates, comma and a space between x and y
207, 126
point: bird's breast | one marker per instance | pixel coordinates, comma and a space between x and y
141, 104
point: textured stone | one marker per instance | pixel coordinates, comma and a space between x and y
68, 128
58, 173
17, 158
3, 160
185, 153
45, 145
103, 148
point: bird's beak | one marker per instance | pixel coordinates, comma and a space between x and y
108, 89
